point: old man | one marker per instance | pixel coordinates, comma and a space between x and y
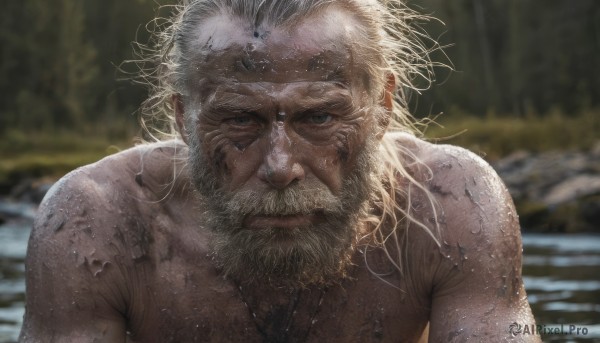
294, 206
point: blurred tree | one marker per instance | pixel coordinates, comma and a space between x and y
516, 56
49, 68
116, 24
75, 62
59, 62
25, 63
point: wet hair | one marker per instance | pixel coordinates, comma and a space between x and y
392, 43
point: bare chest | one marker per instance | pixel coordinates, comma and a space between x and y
177, 295
194, 304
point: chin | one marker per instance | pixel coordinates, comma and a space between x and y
298, 256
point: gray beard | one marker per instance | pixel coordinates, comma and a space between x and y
317, 254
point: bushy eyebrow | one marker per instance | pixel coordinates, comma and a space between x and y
336, 96
336, 104
233, 102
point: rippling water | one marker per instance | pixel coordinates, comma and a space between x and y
13, 245
561, 273
562, 277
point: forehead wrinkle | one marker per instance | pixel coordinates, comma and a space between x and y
316, 94
331, 62
312, 56
232, 100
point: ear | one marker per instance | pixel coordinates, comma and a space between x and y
388, 92
387, 102
179, 116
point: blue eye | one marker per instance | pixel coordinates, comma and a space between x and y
242, 120
320, 118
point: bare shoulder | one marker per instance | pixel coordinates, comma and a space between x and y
91, 228
475, 272
148, 165
475, 213
112, 198
471, 195
91, 195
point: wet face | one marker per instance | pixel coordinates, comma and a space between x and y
282, 144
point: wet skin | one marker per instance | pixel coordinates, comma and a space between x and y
277, 109
120, 249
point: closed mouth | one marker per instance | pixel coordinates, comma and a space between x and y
289, 221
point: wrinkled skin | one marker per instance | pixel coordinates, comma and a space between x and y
122, 251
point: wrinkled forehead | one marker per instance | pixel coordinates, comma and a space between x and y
319, 48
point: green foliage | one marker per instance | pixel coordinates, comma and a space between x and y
33, 155
496, 136
59, 62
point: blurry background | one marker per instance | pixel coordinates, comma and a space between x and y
524, 94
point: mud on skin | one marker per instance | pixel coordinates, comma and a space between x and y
124, 250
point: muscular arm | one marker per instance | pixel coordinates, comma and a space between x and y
477, 286
75, 291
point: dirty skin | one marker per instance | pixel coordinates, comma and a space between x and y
126, 249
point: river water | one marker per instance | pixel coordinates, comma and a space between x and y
561, 274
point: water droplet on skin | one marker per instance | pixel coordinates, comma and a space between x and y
479, 228
446, 165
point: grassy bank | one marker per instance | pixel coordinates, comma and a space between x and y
495, 137
52, 154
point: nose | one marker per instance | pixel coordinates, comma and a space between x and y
279, 167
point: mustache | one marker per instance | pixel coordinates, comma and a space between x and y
296, 199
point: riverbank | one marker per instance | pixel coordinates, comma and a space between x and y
34, 158
555, 191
